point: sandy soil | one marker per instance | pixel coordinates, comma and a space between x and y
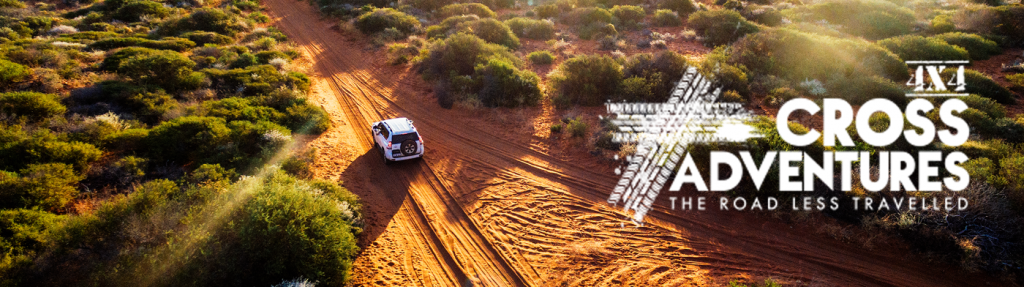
499, 201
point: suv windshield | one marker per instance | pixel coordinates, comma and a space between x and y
403, 137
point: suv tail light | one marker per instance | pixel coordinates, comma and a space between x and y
421, 138
389, 145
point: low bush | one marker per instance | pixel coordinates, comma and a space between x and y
202, 38
547, 11
990, 107
541, 58
586, 80
1016, 81
132, 10
506, 86
767, 16
942, 24
460, 53
169, 43
187, 139
31, 105
978, 47
660, 72
48, 187
11, 73
169, 70
379, 19
305, 118
913, 47
667, 18
629, 16
532, 29
494, 31
598, 31
683, 7
586, 16
798, 56
203, 19
873, 19
577, 128
860, 89
982, 85
465, 9
720, 27
19, 149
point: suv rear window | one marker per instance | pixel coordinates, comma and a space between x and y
402, 137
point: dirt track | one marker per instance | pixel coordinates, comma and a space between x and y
496, 202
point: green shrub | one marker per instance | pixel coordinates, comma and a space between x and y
547, 11
541, 57
860, 89
778, 96
256, 80
588, 15
31, 105
131, 10
487, 29
147, 103
716, 68
48, 186
1016, 80
18, 149
586, 80
659, 72
460, 53
506, 86
982, 85
169, 43
683, 7
187, 139
203, 19
494, 31
912, 47
1011, 23
465, 9
720, 27
942, 24
531, 29
128, 139
798, 56
986, 105
234, 108
211, 173
286, 232
169, 70
598, 30
380, 19
556, 128
578, 128
978, 47
666, 18
630, 16
11, 72
873, 19
12, 4
299, 164
305, 118
202, 38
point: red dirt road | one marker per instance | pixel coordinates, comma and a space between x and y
498, 203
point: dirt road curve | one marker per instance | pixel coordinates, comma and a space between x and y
497, 204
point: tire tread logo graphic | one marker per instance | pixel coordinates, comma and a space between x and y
662, 132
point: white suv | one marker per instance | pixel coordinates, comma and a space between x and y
397, 139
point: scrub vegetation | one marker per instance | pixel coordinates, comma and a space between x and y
141, 140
